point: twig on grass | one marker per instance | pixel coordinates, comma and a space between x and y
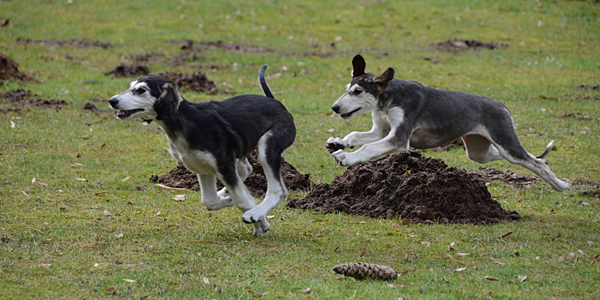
462, 262
164, 187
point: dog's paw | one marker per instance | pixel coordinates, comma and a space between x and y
342, 157
261, 228
335, 144
256, 217
223, 194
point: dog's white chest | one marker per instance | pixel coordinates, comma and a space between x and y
199, 162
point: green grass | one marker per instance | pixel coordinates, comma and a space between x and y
57, 242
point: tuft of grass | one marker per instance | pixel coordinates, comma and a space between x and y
57, 242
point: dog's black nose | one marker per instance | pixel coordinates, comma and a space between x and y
113, 102
336, 109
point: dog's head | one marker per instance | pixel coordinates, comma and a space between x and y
149, 97
362, 92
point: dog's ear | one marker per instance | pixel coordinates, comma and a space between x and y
359, 64
168, 101
382, 81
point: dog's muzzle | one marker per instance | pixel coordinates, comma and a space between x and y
122, 114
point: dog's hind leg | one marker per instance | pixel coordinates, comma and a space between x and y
511, 149
210, 199
480, 149
243, 168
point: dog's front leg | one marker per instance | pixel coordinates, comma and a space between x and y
210, 199
390, 144
354, 139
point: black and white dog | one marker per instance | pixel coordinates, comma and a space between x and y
408, 114
213, 139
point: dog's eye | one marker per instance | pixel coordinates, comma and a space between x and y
356, 92
139, 91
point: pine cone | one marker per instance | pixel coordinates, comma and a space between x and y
361, 270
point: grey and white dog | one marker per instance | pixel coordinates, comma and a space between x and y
408, 114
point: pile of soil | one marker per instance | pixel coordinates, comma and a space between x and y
181, 177
197, 82
409, 186
9, 69
21, 97
188, 45
523, 182
81, 43
459, 45
123, 70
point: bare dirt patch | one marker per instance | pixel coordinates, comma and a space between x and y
462, 45
188, 45
9, 69
580, 116
523, 182
197, 82
124, 70
180, 177
584, 86
81, 43
21, 97
410, 186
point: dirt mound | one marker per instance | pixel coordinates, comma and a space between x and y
196, 82
81, 43
123, 70
188, 45
181, 177
21, 97
523, 182
9, 69
409, 186
459, 45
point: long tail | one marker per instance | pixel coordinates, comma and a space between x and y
263, 82
548, 148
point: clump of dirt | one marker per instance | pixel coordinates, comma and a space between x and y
123, 70
180, 177
9, 69
196, 82
580, 116
81, 43
409, 186
21, 97
460, 45
584, 86
458, 143
188, 45
523, 182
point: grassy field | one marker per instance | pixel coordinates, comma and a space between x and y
57, 242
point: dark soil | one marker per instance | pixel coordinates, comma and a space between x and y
188, 45
21, 97
81, 43
123, 70
9, 69
180, 177
409, 186
197, 82
584, 86
523, 182
456, 144
580, 116
460, 45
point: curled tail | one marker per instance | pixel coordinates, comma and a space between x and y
548, 148
263, 82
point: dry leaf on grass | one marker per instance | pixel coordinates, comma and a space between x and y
490, 278
460, 269
179, 197
107, 213
522, 278
506, 234
126, 178
451, 246
130, 280
306, 291
34, 180
81, 179
77, 165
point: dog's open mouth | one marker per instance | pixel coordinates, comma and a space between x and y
348, 115
124, 114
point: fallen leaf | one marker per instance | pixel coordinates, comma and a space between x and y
425, 243
28, 195
179, 197
102, 146
34, 180
331, 130
107, 213
77, 165
463, 254
126, 178
589, 243
306, 291
451, 246
110, 289
119, 235
205, 280
506, 234
490, 278
270, 217
81, 179
363, 251
460, 269
130, 280
522, 278
96, 265
12, 124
